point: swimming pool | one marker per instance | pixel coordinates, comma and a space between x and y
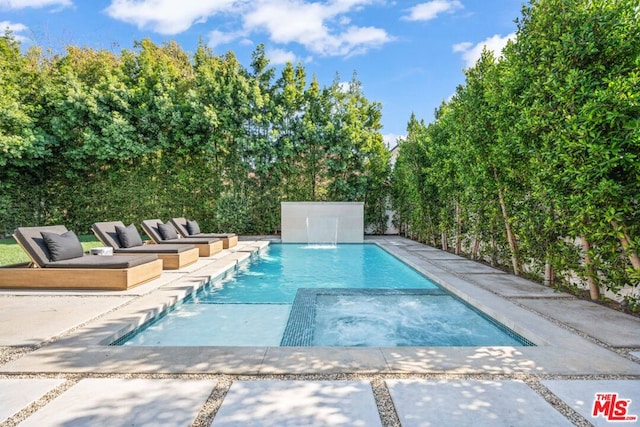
318, 295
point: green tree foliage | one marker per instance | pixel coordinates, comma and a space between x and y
357, 160
24, 143
21, 144
156, 133
536, 157
413, 192
588, 143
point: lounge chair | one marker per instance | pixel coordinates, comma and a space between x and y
188, 228
155, 228
58, 262
127, 241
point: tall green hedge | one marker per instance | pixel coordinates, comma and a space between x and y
157, 133
534, 163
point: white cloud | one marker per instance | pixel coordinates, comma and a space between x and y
280, 56
471, 53
217, 38
15, 29
430, 10
357, 40
288, 21
462, 47
22, 4
167, 16
323, 27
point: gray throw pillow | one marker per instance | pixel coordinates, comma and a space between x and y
62, 246
193, 228
167, 231
128, 236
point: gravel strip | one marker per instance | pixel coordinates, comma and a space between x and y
387, 410
7, 354
213, 403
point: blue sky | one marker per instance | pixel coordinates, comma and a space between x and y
409, 55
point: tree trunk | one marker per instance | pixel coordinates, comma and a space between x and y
458, 230
513, 244
443, 237
494, 252
594, 290
625, 241
549, 274
476, 247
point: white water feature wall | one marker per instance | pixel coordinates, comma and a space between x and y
325, 223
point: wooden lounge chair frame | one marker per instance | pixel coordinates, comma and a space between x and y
229, 240
174, 257
37, 275
206, 246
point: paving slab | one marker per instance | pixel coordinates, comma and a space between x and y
16, 394
200, 263
435, 254
250, 246
262, 243
464, 266
392, 241
609, 326
125, 402
298, 403
423, 248
581, 396
460, 360
511, 286
30, 320
322, 360
422, 403
507, 361
218, 267
415, 261
142, 360
239, 257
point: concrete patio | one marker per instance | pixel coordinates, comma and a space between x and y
56, 367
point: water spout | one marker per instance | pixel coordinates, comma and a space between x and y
322, 230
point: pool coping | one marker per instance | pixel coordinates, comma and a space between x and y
559, 351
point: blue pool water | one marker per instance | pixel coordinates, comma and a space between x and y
252, 306
280, 272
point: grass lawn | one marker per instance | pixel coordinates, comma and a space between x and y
11, 253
